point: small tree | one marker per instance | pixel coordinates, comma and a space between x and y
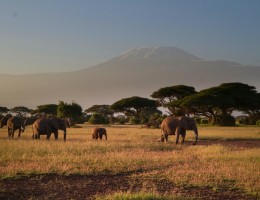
97, 118
72, 110
103, 110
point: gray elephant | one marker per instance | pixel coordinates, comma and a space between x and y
178, 125
30, 120
13, 124
4, 119
47, 126
98, 133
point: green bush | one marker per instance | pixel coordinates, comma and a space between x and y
226, 120
97, 118
258, 122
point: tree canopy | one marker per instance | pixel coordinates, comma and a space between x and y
47, 109
220, 100
134, 105
72, 110
170, 94
22, 110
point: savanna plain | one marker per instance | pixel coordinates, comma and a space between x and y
131, 164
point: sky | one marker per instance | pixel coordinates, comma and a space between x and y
64, 35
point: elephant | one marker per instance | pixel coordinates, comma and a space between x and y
15, 123
98, 133
30, 120
47, 126
178, 125
3, 120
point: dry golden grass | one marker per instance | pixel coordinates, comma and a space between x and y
130, 149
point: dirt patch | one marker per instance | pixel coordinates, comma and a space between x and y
54, 186
237, 144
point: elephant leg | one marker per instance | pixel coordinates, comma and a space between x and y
19, 133
48, 136
178, 134
56, 135
9, 132
162, 138
166, 137
183, 134
177, 138
64, 137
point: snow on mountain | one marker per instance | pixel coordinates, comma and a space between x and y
157, 54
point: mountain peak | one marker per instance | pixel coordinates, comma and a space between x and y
157, 54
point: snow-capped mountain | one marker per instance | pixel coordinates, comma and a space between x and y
137, 72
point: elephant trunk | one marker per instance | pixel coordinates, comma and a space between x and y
195, 129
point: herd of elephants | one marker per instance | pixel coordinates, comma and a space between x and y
46, 126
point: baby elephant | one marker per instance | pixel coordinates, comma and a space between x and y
98, 133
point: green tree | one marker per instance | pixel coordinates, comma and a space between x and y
72, 110
97, 118
170, 94
22, 110
103, 110
220, 101
49, 109
133, 106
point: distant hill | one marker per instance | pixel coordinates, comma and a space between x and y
137, 72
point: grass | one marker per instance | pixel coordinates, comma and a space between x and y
132, 150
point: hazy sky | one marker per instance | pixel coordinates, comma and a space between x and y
67, 35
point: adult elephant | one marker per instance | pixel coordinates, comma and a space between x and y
178, 126
4, 119
98, 133
47, 126
13, 124
30, 120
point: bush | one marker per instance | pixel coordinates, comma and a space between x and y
226, 120
98, 119
204, 121
258, 122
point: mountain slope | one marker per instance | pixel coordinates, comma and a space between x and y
136, 72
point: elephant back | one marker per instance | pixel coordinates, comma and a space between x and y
15, 122
169, 125
186, 122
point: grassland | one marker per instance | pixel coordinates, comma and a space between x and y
225, 161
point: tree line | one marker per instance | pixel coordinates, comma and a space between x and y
214, 105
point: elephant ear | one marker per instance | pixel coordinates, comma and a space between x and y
54, 123
184, 122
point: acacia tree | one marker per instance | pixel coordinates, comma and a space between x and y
22, 110
220, 101
50, 109
133, 106
170, 94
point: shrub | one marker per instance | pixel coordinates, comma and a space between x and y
226, 120
98, 119
258, 122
